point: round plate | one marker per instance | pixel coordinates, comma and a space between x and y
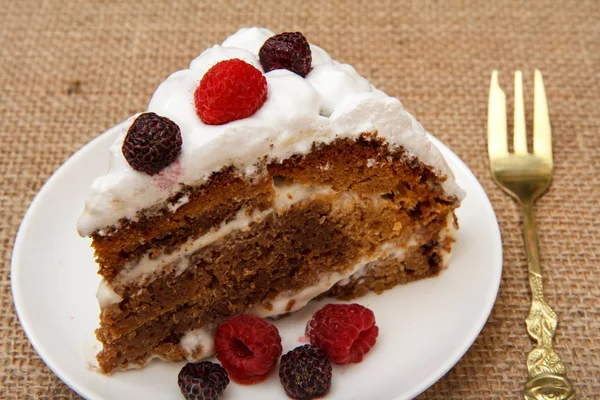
424, 327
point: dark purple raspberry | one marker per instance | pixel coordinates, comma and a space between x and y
152, 143
305, 372
288, 50
203, 380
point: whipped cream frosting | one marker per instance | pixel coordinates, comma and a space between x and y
333, 101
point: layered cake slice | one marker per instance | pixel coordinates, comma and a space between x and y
263, 176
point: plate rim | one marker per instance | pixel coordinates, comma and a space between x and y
425, 384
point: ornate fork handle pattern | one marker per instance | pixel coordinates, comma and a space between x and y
547, 373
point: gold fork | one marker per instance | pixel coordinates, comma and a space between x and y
526, 176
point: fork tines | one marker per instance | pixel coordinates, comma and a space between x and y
497, 128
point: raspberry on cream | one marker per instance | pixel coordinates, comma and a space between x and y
230, 90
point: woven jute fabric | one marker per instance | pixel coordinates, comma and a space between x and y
70, 70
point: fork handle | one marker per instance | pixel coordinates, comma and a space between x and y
547, 374
531, 242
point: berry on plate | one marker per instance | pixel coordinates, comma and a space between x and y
346, 332
288, 50
248, 347
152, 143
204, 380
305, 373
230, 90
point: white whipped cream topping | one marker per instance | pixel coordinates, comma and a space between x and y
333, 101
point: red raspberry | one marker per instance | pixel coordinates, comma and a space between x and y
230, 90
248, 347
346, 332
288, 50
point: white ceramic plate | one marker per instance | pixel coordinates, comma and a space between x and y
425, 327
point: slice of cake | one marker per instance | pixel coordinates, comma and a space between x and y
263, 176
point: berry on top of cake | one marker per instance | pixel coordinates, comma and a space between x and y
287, 50
264, 175
230, 90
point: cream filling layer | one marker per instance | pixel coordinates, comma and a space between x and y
285, 198
199, 342
449, 232
146, 268
106, 295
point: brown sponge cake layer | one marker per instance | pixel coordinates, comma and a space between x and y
248, 269
225, 193
417, 262
161, 338
321, 231
367, 166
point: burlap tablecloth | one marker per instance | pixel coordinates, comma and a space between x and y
70, 70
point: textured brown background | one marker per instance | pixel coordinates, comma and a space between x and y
70, 70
